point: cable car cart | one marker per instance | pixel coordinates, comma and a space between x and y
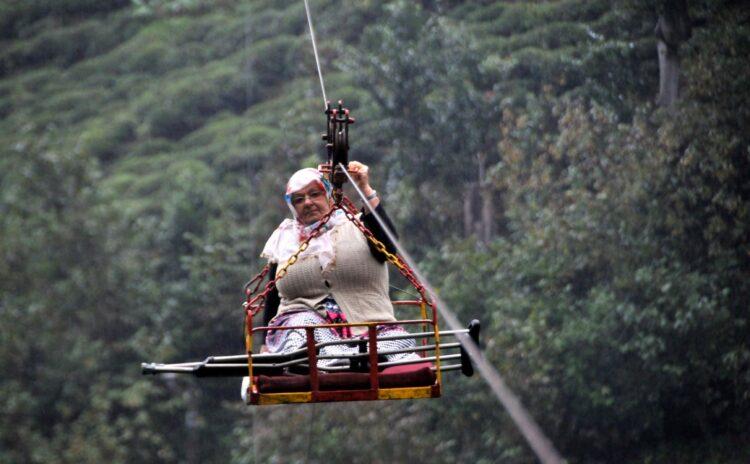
299, 377
309, 376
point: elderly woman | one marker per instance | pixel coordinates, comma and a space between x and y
340, 277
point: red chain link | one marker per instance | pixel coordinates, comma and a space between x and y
350, 211
257, 280
254, 303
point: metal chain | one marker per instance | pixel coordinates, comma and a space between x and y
257, 280
254, 302
404, 269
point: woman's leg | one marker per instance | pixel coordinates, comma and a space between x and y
286, 341
402, 345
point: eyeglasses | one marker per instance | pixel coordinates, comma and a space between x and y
299, 198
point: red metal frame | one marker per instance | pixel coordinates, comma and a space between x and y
374, 392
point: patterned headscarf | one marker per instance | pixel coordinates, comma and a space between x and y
302, 179
286, 239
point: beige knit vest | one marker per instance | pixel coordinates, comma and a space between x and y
355, 279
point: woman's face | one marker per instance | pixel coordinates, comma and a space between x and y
310, 203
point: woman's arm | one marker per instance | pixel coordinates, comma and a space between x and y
373, 225
361, 176
272, 299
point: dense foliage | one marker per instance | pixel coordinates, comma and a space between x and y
603, 240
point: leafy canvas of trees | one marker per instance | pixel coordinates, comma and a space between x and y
574, 173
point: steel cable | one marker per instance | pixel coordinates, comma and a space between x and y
315, 51
539, 443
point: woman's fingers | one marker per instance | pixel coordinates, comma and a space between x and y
356, 166
361, 176
360, 172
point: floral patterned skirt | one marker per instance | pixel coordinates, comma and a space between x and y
286, 341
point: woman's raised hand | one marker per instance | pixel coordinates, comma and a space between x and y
361, 175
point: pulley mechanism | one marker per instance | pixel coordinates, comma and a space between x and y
337, 147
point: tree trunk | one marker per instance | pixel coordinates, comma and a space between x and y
488, 215
192, 425
487, 222
669, 75
469, 202
672, 29
479, 205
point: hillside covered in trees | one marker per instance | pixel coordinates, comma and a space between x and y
574, 173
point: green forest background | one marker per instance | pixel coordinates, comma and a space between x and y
549, 173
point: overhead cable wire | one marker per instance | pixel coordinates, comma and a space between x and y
539, 443
315, 51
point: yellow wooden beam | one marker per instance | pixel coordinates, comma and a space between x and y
284, 398
404, 393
